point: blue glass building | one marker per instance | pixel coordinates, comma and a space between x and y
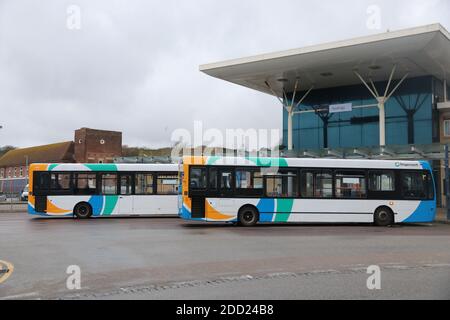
411, 117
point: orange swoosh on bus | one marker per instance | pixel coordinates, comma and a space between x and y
51, 208
213, 214
187, 202
31, 200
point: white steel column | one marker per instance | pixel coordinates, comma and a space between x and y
382, 100
290, 107
382, 112
290, 129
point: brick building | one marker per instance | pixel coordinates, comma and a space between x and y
89, 146
97, 146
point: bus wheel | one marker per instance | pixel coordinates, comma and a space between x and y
83, 210
384, 217
248, 217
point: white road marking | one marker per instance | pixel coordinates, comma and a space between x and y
20, 296
437, 265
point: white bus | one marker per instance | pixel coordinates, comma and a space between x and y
252, 190
102, 190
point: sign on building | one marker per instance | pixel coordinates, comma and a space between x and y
344, 107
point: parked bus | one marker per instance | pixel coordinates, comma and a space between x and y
102, 190
252, 190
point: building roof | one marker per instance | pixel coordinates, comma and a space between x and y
50, 153
99, 131
417, 51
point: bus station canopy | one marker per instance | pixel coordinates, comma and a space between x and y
416, 52
430, 152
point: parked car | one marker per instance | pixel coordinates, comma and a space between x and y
24, 195
2, 197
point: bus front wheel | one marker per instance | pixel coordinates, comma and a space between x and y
83, 210
384, 217
248, 216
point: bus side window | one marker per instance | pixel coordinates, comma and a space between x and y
197, 178
307, 184
317, 184
60, 181
85, 184
282, 186
125, 184
382, 181
167, 184
108, 184
212, 179
143, 184
350, 184
226, 180
415, 185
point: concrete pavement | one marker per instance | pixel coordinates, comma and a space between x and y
119, 256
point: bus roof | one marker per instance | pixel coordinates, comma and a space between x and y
306, 163
95, 167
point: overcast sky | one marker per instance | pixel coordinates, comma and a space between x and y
133, 65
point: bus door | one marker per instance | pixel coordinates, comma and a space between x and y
226, 182
41, 186
126, 194
197, 190
226, 202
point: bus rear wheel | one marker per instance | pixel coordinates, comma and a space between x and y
83, 210
384, 217
248, 217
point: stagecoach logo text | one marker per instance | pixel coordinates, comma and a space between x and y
403, 164
6, 269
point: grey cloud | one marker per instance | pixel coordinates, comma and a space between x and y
133, 66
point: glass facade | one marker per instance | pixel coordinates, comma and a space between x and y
409, 117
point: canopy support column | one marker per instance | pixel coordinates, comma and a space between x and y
290, 130
290, 107
382, 112
382, 100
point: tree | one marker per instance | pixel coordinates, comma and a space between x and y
5, 149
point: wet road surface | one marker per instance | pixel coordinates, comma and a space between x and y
167, 258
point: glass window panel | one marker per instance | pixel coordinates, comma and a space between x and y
85, 184
144, 184
125, 185
213, 178
447, 128
225, 180
307, 184
382, 181
416, 185
350, 185
197, 179
282, 186
249, 179
323, 185
43, 181
167, 184
60, 181
257, 180
109, 184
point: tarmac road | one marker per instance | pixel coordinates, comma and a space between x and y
167, 258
